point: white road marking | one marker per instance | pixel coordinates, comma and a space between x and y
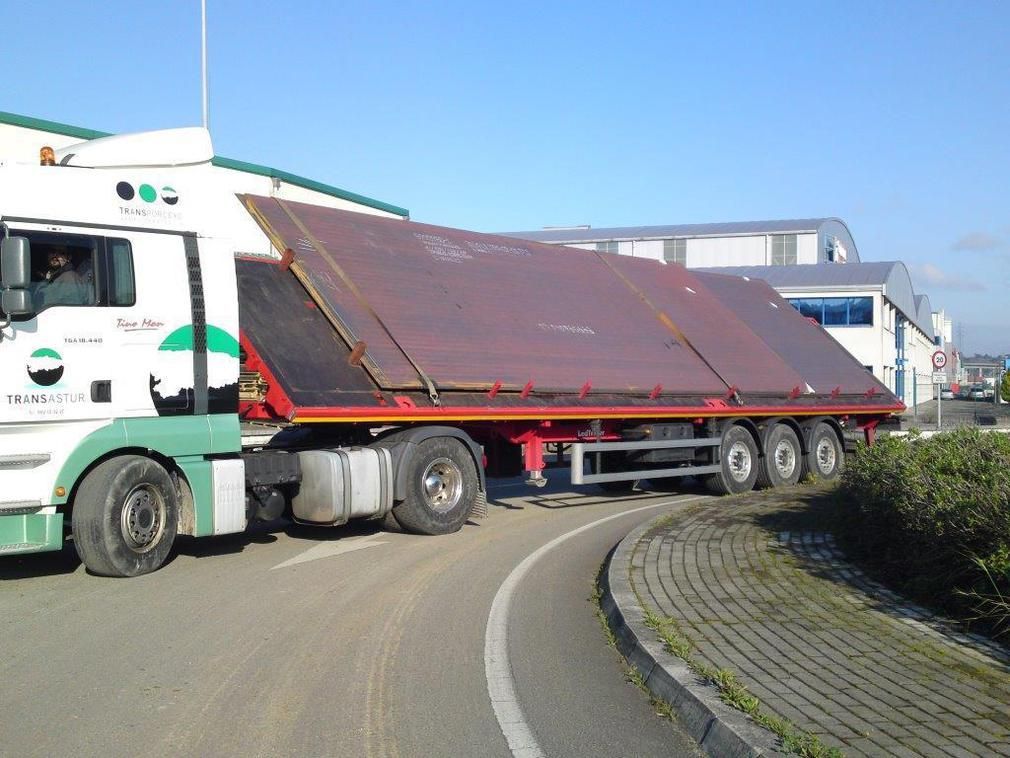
500, 683
329, 549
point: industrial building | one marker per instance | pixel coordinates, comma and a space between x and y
742, 243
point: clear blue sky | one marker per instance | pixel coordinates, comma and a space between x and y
506, 116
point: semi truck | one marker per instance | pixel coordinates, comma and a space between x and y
160, 375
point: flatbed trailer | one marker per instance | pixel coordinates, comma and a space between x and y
638, 349
367, 367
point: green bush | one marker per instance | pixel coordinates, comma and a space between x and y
1004, 388
934, 514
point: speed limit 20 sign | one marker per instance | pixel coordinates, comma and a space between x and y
939, 359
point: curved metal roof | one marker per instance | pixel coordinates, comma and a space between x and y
892, 276
591, 234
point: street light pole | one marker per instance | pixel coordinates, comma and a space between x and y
203, 56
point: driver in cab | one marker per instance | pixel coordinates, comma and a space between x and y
60, 283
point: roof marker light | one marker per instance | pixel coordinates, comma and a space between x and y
47, 156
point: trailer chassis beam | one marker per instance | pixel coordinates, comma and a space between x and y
580, 449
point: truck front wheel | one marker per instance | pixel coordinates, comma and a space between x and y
442, 486
125, 517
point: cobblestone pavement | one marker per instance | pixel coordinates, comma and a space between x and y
758, 591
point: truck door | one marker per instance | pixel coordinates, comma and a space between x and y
104, 304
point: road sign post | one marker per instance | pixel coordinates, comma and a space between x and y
939, 377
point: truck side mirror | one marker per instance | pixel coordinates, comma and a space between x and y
16, 302
15, 263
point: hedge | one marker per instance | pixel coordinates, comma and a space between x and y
934, 516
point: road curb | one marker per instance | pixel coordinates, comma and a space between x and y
719, 729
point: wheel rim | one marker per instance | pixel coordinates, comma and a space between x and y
143, 518
826, 456
739, 460
442, 484
785, 459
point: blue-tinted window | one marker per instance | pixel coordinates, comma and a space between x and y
810, 307
836, 311
860, 311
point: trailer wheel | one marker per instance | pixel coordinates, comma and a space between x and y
739, 457
442, 486
782, 464
826, 458
125, 517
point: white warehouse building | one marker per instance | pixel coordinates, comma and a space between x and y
741, 243
870, 308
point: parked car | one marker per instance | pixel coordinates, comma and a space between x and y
977, 393
946, 394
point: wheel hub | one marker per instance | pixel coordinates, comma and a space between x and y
442, 483
739, 461
785, 459
143, 518
825, 456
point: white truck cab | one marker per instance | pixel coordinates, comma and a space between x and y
119, 352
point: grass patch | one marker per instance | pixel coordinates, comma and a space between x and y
731, 690
734, 693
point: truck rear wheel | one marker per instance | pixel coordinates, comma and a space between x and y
783, 459
738, 456
826, 457
442, 486
125, 517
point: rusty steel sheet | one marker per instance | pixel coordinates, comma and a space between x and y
384, 360
728, 343
814, 353
474, 311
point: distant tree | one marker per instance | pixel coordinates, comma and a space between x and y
1004, 388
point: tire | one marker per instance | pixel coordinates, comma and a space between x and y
826, 457
125, 517
738, 455
782, 464
442, 487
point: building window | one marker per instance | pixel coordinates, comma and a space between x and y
607, 247
675, 251
783, 249
836, 311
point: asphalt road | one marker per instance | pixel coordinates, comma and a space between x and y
344, 642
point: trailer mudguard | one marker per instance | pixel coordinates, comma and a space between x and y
403, 443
